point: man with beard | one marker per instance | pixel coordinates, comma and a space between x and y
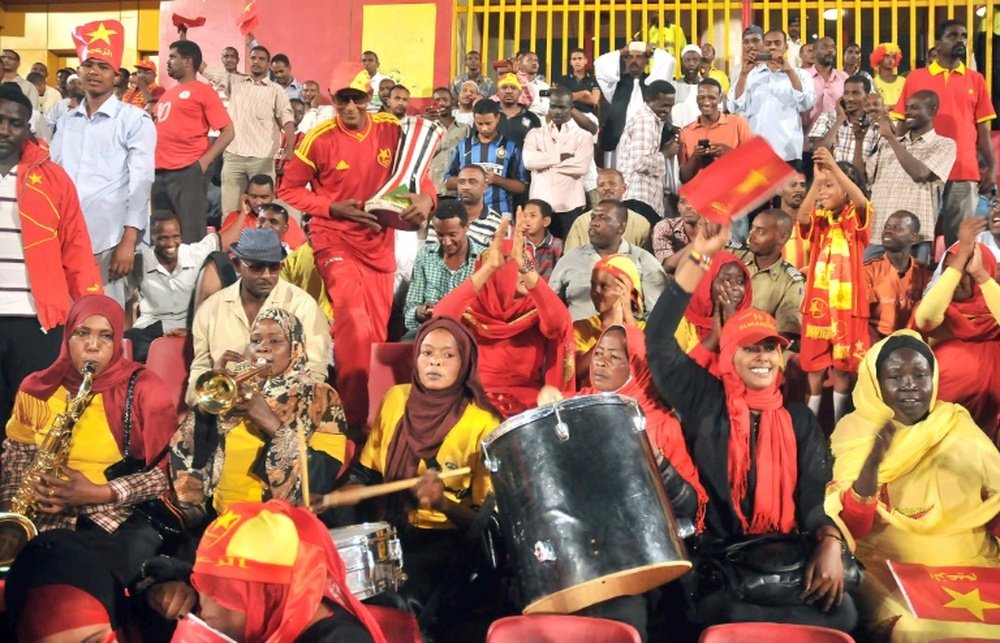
849, 132
185, 114
441, 111
895, 281
828, 86
528, 75
685, 109
964, 116
399, 105
622, 78
472, 184
610, 186
518, 120
791, 196
468, 95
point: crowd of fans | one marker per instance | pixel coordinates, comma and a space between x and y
547, 253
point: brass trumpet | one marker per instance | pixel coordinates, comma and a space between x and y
219, 391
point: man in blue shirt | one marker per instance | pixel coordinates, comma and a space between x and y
107, 148
498, 156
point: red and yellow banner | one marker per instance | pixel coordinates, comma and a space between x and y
962, 594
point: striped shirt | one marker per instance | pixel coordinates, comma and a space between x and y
15, 289
500, 156
640, 161
259, 109
845, 144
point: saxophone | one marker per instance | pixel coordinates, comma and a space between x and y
16, 526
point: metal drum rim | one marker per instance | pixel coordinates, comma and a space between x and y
527, 417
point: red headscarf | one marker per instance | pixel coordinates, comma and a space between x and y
971, 320
152, 429
276, 563
498, 313
702, 305
429, 415
777, 454
661, 425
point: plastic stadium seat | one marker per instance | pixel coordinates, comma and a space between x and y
398, 626
391, 364
755, 632
559, 628
170, 358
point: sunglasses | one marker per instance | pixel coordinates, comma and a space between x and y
342, 98
261, 266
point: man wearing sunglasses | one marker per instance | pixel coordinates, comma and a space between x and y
346, 161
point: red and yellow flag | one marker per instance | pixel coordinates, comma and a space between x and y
248, 19
737, 182
102, 40
963, 594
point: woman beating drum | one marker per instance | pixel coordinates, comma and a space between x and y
777, 463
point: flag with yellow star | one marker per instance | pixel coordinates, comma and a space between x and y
101, 39
248, 18
737, 182
962, 594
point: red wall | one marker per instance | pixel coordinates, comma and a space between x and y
314, 34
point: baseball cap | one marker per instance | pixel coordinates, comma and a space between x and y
748, 327
509, 79
146, 64
350, 75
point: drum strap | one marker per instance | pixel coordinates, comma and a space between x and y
460, 563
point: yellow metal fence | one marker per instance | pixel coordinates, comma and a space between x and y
500, 28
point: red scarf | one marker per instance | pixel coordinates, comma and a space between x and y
280, 600
701, 308
776, 457
662, 427
971, 320
429, 415
148, 438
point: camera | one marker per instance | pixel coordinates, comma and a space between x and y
764, 56
544, 93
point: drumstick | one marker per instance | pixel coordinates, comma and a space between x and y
304, 466
357, 494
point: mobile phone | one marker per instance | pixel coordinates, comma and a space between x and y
764, 56
704, 143
544, 93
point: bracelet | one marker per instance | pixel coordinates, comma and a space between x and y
704, 262
865, 500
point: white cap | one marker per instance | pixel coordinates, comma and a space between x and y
695, 48
637, 46
72, 77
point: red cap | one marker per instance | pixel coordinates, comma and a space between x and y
348, 75
102, 40
146, 64
748, 327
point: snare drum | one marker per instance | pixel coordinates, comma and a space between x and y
582, 506
372, 556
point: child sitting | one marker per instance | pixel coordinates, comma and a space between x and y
534, 219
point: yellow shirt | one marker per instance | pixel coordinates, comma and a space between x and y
460, 448
92, 447
586, 332
890, 92
299, 268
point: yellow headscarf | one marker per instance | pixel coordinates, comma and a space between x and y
855, 434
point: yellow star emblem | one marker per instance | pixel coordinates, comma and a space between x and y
248, 6
101, 33
755, 179
35, 178
342, 165
970, 601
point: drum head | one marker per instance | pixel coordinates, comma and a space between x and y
350, 533
630, 582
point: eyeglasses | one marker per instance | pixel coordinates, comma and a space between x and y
342, 98
261, 266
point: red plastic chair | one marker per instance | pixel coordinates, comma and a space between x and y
558, 628
170, 358
398, 626
391, 364
755, 632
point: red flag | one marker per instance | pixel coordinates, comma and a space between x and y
101, 39
737, 182
187, 23
746, 13
964, 594
192, 629
248, 19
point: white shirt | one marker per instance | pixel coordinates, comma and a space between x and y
15, 289
164, 296
773, 107
607, 71
685, 110
560, 182
465, 118
314, 116
375, 103
539, 103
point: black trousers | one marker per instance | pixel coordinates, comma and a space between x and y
183, 192
562, 222
643, 208
24, 349
141, 339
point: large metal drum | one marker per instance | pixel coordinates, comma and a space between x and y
583, 510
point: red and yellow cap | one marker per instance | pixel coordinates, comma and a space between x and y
349, 75
232, 545
748, 327
509, 79
103, 40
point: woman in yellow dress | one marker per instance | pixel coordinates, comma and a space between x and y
914, 481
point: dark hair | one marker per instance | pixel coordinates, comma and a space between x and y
281, 58
443, 89
162, 216
35, 77
452, 208
261, 179
657, 88
234, 50
855, 175
621, 212
780, 216
369, 52
473, 166
938, 33
711, 82
784, 36
276, 208
913, 219
469, 53
14, 53
543, 206
296, 100
188, 49
930, 96
861, 80
398, 86
486, 107
12, 92
577, 50
897, 342
262, 48
561, 91
852, 44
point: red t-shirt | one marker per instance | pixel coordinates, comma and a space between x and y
965, 102
184, 115
342, 164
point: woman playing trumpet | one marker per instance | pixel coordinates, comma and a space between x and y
252, 452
